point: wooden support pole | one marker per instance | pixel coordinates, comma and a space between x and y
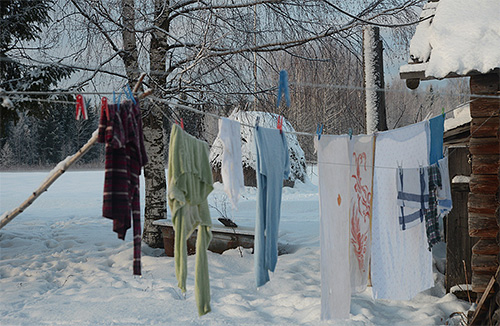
373, 71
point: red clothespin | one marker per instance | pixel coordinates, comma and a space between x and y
104, 107
181, 124
80, 108
280, 124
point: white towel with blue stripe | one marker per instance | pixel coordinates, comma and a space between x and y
413, 196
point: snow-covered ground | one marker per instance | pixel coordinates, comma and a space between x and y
61, 264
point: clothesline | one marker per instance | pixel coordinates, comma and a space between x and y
305, 133
185, 107
181, 106
300, 84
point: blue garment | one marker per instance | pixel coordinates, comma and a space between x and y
273, 165
436, 125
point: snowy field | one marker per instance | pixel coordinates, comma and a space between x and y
61, 264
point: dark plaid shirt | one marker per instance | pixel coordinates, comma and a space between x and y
121, 132
431, 214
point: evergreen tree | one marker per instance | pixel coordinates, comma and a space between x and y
21, 22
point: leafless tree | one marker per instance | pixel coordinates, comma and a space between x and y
210, 53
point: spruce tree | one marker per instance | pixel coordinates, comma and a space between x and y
22, 21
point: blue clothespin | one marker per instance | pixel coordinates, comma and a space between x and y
283, 88
119, 99
350, 133
319, 130
128, 92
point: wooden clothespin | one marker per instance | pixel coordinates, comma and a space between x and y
80, 108
319, 130
280, 124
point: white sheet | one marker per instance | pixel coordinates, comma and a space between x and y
401, 264
360, 209
334, 202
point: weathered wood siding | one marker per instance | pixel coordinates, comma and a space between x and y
458, 241
483, 198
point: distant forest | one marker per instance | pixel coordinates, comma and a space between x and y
33, 142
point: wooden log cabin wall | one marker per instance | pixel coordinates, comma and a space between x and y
483, 201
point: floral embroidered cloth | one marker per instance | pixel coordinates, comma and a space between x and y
360, 211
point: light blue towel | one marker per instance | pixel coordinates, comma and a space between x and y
273, 165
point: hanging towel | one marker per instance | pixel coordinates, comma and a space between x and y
445, 203
431, 214
436, 126
361, 157
231, 167
401, 265
413, 196
189, 183
273, 166
125, 154
334, 201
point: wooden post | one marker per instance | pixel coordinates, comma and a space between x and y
483, 199
373, 65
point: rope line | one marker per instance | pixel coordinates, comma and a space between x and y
300, 84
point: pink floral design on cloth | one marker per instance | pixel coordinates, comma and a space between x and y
361, 208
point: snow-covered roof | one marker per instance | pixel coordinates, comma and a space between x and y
267, 120
463, 37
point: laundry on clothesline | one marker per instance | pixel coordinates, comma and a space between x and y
361, 156
401, 265
445, 203
272, 167
231, 165
431, 213
334, 203
413, 195
125, 155
189, 182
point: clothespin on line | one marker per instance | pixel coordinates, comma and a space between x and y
280, 124
129, 94
181, 123
104, 106
81, 110
283, 88
319, 130
115, 102
257, 121
350, 133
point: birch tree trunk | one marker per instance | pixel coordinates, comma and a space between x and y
154, 171
154, 174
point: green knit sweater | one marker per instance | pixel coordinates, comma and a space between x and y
189, 183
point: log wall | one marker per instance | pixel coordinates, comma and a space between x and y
483, 199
